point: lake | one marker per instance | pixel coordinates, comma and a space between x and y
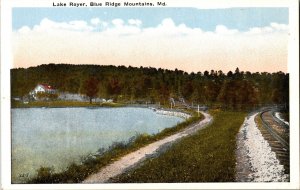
56, 137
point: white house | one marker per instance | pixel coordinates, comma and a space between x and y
42, 88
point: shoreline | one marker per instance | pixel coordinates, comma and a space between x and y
175, 113
161, 111
64, 104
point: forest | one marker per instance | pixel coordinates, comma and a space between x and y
232, 90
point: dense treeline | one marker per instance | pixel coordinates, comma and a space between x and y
236, 89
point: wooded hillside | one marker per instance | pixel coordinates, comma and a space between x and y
236, 89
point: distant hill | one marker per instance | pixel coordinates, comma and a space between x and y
236, 89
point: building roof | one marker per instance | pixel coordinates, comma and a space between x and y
46, 86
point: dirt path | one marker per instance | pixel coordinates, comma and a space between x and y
134, 158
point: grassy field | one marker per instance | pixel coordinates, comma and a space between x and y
54, 104
75, 173
207, 156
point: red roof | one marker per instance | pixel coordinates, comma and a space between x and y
48, 87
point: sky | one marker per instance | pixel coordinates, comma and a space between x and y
190, 39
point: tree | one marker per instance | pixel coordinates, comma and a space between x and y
235, 89
229, 74
206, 74
237, 71
188, 90
164, 93
237, 74
114, 87
91, 88
72, 85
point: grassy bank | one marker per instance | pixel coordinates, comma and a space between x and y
56, 104
285, 116
76, 173
207, 156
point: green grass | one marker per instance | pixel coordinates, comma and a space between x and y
76, 173
285, 116
207, 156
259, 122
54, 104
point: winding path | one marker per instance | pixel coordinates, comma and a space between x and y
130, 160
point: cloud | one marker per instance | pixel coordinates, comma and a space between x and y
135, 22
166, 27
167, 45
95, 21
49, 25
277, 26
118, 22
273, 27
24, 29
119, 28
167, 23
221, 29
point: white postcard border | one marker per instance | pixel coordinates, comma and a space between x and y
293, 69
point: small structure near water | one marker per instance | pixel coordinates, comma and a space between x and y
171, 113
44, 89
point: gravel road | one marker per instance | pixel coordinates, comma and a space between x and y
132, 159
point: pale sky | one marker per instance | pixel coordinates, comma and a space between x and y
190, 39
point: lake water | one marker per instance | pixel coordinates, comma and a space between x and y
55, 137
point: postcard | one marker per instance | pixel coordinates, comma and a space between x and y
149, 94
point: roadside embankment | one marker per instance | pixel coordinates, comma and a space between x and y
206, 156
